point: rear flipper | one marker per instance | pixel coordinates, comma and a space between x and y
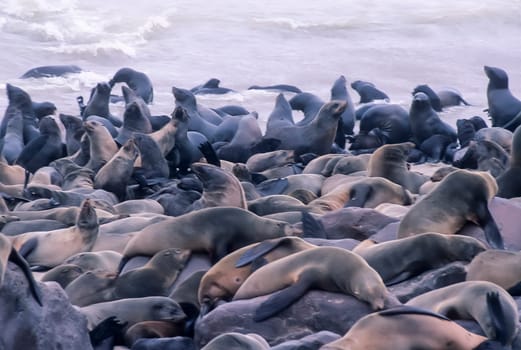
497, 316
259, 250
358, 196
209, 153
281, 300
489, 225
16, 258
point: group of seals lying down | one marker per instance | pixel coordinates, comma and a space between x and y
196, 230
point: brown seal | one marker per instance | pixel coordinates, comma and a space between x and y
152, 329
403, 258
155, 277
470, 300
224, 278
390, 161
460, 197
102, 145
115, 174
91, 287
220, 188
40, 248
216, 231
498, 266
407, 328
328, 268
133, 310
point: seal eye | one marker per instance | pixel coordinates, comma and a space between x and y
238, 280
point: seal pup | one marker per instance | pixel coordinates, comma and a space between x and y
41, 150
450, 205
217, 231
474, 300
382, 124
115, 175
98, 104
316, 137
135, 119
368, 91
408, 328
426, 124
220, 188
39, 248
403, 258
223, 279
133, 310
499, 267
13, 139
390, 162
51, 71
104, 260
102, 146
137, 81
20, 99
63, 274
442, 98
307, 103
73, 132
339, 92
503, 108
9, 253
154, 278
152, 329
329, 268
153, 164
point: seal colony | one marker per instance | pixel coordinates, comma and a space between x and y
161, 226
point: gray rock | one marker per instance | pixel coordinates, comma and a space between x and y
433, 279
29, 326
316, 311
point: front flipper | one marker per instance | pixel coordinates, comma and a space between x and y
497, 316
17, 259
489, 225
259, 250
411, 310
28, 246
311, 227
209, 153
358, 195
281, 300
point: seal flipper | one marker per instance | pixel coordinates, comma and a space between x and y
489, 225
400, 278
28, 247
122, 263
281, 300
109, 327
411, 310
358, 196
515, 290
209, 153
311, 227
16, 258
258, 263
497, 316
258, 251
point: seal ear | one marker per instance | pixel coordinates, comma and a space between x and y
281, 300
311, 227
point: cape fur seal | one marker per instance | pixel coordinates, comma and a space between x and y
329, 268
216, 231
225, 277
408, 328
39, 248
503, 108
461, 196
474, 300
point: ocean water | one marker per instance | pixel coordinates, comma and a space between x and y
395, 44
